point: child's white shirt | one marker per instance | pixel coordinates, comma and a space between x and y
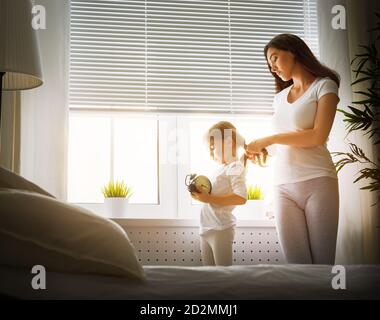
229, 178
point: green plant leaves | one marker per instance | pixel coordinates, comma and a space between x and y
366, 66
254, 193
117, 189
357, 155
358, 119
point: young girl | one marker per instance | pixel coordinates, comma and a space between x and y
228, 190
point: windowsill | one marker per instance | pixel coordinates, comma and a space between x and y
178, 222
145, 219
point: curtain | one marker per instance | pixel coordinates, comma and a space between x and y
358, 21
358, 239
44, 111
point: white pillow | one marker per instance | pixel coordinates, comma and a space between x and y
39, 230
9, 179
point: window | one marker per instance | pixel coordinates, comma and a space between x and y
196, 159
106, 148
147, 77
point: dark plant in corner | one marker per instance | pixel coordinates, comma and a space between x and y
366, 67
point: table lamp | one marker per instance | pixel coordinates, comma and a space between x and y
20, 65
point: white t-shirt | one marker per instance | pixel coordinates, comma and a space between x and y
294, 164
229, 178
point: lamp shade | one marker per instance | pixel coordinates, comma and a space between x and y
19, 49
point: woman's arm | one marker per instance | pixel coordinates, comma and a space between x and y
316, 136
230, 199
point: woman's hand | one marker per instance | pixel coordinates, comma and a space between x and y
201, 196
257, 146
256, 151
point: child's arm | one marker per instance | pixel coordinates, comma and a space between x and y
230, 199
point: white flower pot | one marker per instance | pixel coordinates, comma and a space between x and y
251, 210
116, 207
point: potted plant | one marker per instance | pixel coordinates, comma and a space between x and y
365, 116
254, 208
116, 198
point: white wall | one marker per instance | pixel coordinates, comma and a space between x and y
44, 112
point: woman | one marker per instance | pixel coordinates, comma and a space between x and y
306, 185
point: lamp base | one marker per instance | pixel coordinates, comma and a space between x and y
1, 92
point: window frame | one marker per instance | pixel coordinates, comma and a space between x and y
167, 177
171, 176
187, 209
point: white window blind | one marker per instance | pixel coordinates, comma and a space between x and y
179, 56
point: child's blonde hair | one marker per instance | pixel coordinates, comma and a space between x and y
223, 127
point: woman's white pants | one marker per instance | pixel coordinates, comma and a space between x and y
307, 215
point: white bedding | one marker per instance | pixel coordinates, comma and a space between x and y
236, 282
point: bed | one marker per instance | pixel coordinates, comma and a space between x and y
93, 258
189, 283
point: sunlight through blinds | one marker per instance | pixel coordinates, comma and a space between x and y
180, 56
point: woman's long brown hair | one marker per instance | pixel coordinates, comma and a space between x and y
303, 55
